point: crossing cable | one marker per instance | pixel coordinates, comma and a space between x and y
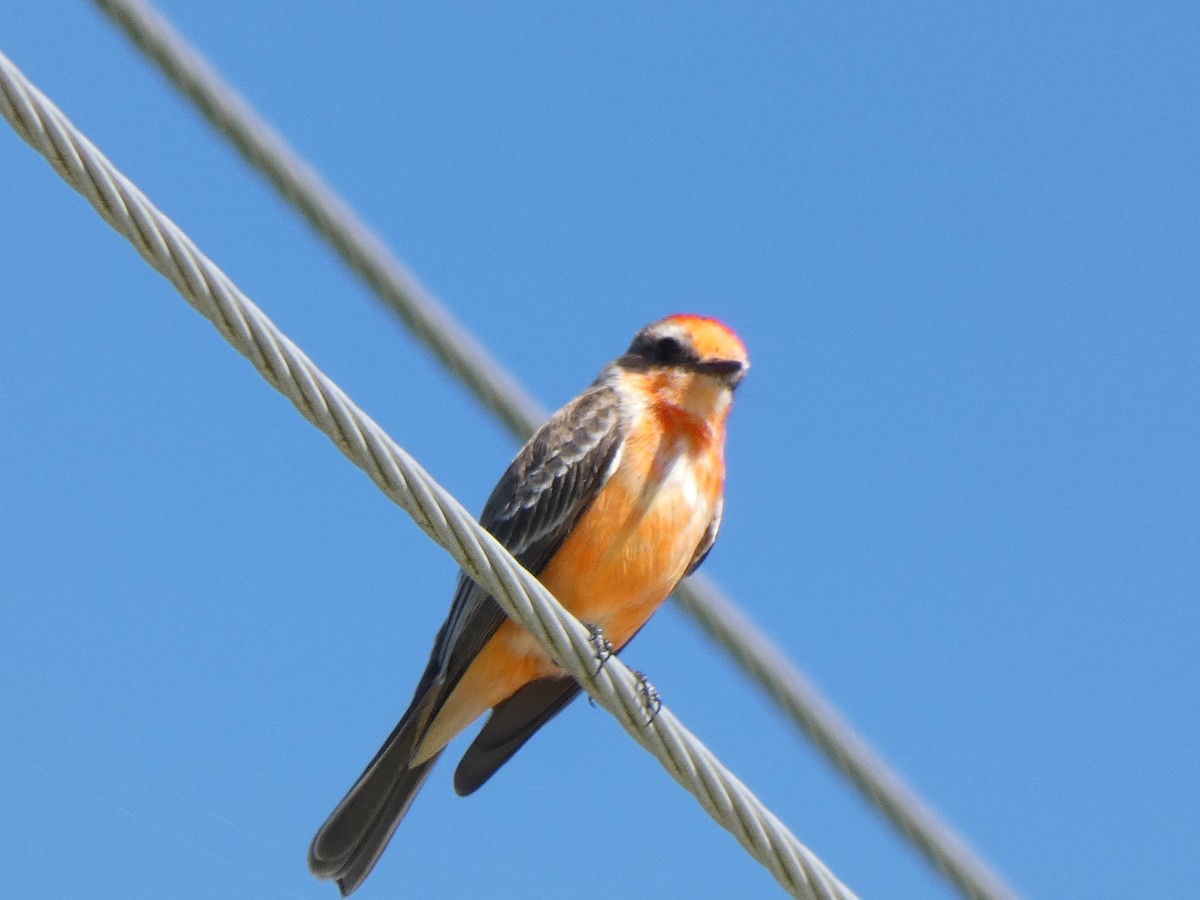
366, 254
523, 598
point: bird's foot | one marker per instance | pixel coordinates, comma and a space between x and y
600, 644
651, 698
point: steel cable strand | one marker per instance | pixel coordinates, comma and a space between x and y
361, 249
764, 662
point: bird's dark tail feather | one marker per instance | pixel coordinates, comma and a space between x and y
510, 725
354, 836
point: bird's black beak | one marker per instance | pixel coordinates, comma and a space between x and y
731, 370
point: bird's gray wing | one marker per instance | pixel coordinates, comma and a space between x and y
539, 499
547, 488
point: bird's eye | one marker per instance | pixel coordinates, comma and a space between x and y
669, 350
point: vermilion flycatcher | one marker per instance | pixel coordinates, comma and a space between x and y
614, 500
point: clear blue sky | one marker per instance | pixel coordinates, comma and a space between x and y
960, 242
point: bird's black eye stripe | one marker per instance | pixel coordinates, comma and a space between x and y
669, 350
665, 350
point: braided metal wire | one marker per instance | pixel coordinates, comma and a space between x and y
324, 404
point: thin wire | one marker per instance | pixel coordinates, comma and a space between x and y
357, 244
762, 660
366, 254
323, 403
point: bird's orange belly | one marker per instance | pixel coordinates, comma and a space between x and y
628, 551
617, 566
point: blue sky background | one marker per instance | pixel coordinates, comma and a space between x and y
960, 242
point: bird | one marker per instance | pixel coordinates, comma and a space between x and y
610, 504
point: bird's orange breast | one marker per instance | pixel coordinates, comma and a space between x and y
635, 541
618, 564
